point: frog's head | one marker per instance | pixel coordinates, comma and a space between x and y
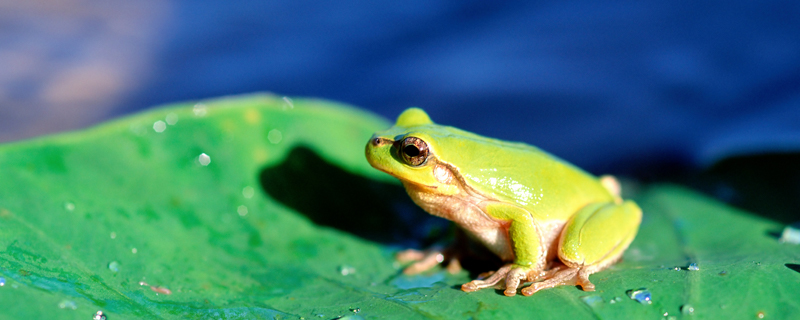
407, 151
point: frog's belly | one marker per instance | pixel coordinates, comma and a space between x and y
467, 214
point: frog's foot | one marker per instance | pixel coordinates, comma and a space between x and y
514, 276
428, 259
567, 276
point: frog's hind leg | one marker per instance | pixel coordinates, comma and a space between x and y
592, 240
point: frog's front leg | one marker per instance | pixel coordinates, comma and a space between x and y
424, 260
592, 240
526, 243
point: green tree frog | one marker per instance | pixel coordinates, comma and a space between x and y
552, 223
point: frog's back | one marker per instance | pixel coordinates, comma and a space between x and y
547, 186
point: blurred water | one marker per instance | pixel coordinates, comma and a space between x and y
612, 86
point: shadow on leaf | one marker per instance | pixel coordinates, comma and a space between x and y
330, 196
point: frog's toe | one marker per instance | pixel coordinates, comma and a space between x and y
582, 280
409, 255
513, 280
428, 259
491, 281
422, 260
562, 277
426, 263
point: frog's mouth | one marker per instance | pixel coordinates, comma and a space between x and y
382, 155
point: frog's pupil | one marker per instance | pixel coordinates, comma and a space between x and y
411, 150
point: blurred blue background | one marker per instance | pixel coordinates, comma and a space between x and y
613, 86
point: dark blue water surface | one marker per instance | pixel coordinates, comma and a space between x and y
613, 86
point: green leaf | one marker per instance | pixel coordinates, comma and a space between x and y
288, 221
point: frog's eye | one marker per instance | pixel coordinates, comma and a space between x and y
414, 151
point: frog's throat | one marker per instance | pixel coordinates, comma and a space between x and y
468, 213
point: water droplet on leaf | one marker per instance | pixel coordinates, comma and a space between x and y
274, 136
99, 315
69, 206
592, 301
113, 266
204, 159
642, 295
791, 234
346, 270
200, 110
687, 309
159, 126
692, 267
68, 304
248, 192
242, 210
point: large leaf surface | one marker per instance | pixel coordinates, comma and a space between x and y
288, 221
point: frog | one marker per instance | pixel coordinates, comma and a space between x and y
550, 222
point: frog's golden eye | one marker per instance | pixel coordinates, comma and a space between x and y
414, 151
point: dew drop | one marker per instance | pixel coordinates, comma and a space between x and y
687, 309
355, 310
592, 301
159, 126
346, 270
289, 103
2, 282
693, 267
761, 315
200, 110
791, 234
113, 235
113, 266
642, 295
134, 251
204, 159
248, 192
172, 118
723, 273
274, 136
69, 206
242, 210
68, 304
99, 315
